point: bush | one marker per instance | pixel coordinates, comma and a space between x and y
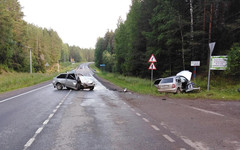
234, 60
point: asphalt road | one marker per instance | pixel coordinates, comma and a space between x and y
43, 118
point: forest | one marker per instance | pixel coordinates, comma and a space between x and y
17, 38
176, 32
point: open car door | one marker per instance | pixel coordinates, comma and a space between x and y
190, 85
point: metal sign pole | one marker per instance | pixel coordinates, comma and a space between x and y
195, 72
151, 77
152, 67
209, 72
211, 48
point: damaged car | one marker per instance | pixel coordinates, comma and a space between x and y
176, 84
73, 81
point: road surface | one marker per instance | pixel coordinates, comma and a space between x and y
43, 118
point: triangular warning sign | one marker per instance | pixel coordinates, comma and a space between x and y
211, 46
152, 67
152, 59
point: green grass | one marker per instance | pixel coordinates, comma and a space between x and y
220, 88
14, 80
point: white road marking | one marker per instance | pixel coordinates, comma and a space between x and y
202, 110
46, 122
206, 111
168, 138
145, 120
29, 143
5, 100
50, 116
138, 114
155, 127
164, 125
195, 145
39, 130
133, 109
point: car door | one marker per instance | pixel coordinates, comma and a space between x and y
178, 83
71, 81
184, 82
62, 78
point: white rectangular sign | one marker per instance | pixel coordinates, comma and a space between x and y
195, 63
218, 63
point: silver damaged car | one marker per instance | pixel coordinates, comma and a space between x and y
73, 81
176, 84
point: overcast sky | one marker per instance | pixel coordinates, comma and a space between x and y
77, 22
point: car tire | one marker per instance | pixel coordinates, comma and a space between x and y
178, 91
78, 86
91, 88
59, 86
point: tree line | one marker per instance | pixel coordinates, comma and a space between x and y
17, 38
176, 32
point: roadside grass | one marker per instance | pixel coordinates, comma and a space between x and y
15, 80
220, 88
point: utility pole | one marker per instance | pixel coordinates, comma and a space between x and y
211, 47
191, 13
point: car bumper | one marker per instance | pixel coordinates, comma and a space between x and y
167, 90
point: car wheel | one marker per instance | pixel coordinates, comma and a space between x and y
178, 91
91, 88
78, 86
59, 86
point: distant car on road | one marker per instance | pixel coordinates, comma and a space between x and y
176, 84
73, 81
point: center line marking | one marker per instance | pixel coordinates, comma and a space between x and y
138, 114
39, 130
168, 138
145, 120
45, 122
50, 116
155, 127
29, 143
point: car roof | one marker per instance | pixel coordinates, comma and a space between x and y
175, 77
169, 77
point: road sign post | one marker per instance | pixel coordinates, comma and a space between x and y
152, 67
103, 67
211, 48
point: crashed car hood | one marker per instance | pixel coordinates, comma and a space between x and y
187, 74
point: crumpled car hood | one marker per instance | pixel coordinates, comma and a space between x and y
187, 74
